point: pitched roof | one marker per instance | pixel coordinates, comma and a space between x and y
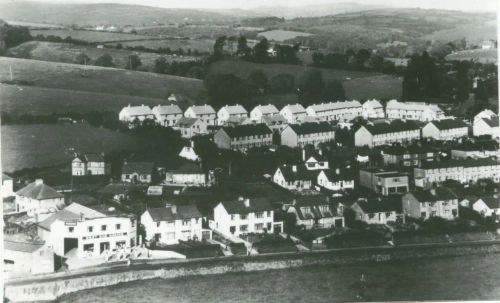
239, 207
189, 168
393, 127
335, 105
300, 173
39, 191
311, 128
91, 157
266, 109
449, 124
171, 213
440, 194
138, 167
492, 122
416, 106
141, 110
235, 109
459, 163
185, 122
19, 246
274, 119
171, 109
376, 206
62, 215
313, 207
202, 109
247, 130
492, 202
343, 174
373, 103
294, 108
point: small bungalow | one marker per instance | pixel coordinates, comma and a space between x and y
137, 172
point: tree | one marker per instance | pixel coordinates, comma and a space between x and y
133, 62
160, 65
15, 35
218, 52
286, 54
257, 80
318, 59
376, 62
334, 90
105, 60
243, 51
260, 53
225, 89
82, 58
282, 84
311, 85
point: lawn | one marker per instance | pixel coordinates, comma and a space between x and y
358, 85
88, 36
99, 79
67, 52
30, 146
45, 101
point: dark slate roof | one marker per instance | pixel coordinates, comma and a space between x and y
181, 212
393, 127
312, 128
6, 177
301, 173
247, 130
83, 199
28, 247
459, 163
39, 192
441, 194
239, 207
492, 202
185, 122
449, 124
481, 145
343, 174
118, 188
138, 167
313, 203
62, 215
376, 206
189, 168
492, 122
412, 149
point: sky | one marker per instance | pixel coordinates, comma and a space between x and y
466, 5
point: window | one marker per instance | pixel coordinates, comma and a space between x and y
259, 226
120, 244
388, 214
269, 226
243, 217
90, 229
395, 179
158, 224
269, 213
118, 226
423, 214
71, 229
232, 217
371, 216
259, 215
88, 247
103, 227
186, 222
243, 228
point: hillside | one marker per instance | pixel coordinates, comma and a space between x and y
99, 79
358, 85
106, 13
314, 10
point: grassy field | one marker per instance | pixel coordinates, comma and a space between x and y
476, 55
29, 146
45, 101
99, 79
67, 52
282, 35
358, 85
475, 33
89, 36
201, 45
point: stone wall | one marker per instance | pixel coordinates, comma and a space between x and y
48, 288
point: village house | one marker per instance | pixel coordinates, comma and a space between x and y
244, 216
188, 152
317, 212
7, 186
23, 256
487, 206
173, 223
205, 113
231, 111
167, 115
307, 133
413, 111
188, 175
435, 202
261, 111
243, 137
275, 122
130, 114
487, 149
294, 177
336, 179
137, 172
293, 113
378, 134
385, 182
314, 160
445, 130
412, 155
88, 231
372, 109
38, 200
463, 171
379, 211
190, 127
335, 111
90, 165
486, 123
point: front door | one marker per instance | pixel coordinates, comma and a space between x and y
103, 246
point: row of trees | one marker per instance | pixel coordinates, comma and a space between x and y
106, 60
363, 59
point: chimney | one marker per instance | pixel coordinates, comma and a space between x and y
433, 191
294, 168
247, 202
192, 143
304, 154
320, 152
38, 181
